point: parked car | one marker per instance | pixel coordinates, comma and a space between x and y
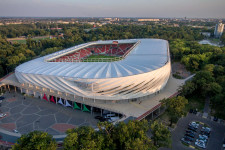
112, 119
195, 111
194, 124
200, 143
215, 119
189, 138
186, 141
15, 131
192, 128
2, 115
2, 97
205, 133
203, 139
224, 144
206, 129
203, 136
190, 131
189, 134
109, 115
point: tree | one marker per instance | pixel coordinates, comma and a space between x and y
223, 38
218, 70
84, 138
71, 141
1, 71
161, 135
126, 134
107, 130
203, 80
35, 140
175, 107
213, 88
188, 89
209, 67
110, 137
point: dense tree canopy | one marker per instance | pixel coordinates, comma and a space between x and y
161, 135
110, 137
209, 65
175, 107
35, 140
84, 138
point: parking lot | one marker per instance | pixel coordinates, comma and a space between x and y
214, 142
29, 114
197, 134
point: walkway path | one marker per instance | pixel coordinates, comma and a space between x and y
206, 107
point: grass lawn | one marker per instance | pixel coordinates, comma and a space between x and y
19, 41
214, 40
40, 38
23, 40
100, 58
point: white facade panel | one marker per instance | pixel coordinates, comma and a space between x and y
144, 71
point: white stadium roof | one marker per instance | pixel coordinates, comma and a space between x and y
148, 55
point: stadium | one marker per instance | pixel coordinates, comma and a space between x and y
102, 70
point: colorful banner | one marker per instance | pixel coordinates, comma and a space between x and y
52, 99
45, 97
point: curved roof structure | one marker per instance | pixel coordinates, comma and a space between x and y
148, 55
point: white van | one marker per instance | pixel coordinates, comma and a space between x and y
109, 115
112, 119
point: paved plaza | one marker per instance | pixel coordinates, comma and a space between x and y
29, 114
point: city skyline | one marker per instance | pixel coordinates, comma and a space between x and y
116, 8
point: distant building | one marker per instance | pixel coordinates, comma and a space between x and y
176, 25
218, 30
56, 28
206, 34
148, 20
108, 18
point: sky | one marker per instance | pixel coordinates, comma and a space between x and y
114, 8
